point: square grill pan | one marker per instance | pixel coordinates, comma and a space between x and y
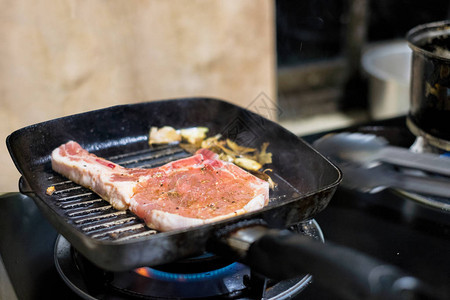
118, 240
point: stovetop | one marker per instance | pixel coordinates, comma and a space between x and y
387, 226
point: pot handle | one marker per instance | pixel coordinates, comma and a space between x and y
281, 254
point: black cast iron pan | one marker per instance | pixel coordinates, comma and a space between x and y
119, 241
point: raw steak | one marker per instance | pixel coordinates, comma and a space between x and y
187, 192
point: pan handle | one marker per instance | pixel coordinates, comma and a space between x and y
281, 254
24, 186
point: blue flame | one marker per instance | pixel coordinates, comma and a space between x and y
190, 277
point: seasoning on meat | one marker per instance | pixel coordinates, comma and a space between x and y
187, 192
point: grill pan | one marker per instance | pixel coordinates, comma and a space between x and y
119, 241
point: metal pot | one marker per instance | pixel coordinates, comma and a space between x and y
430, 83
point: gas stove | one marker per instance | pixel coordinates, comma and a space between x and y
389, 226
207, 276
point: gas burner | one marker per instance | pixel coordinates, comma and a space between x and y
421, 145
426, 141
203, 277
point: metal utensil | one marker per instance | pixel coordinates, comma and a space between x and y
369, 150
381, 177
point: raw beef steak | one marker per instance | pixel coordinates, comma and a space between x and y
183, 193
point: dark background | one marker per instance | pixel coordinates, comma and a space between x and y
315, 29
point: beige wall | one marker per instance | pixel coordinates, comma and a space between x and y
63, 57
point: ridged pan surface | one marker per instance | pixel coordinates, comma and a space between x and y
118, 240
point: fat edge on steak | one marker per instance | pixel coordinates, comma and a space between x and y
188, 192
